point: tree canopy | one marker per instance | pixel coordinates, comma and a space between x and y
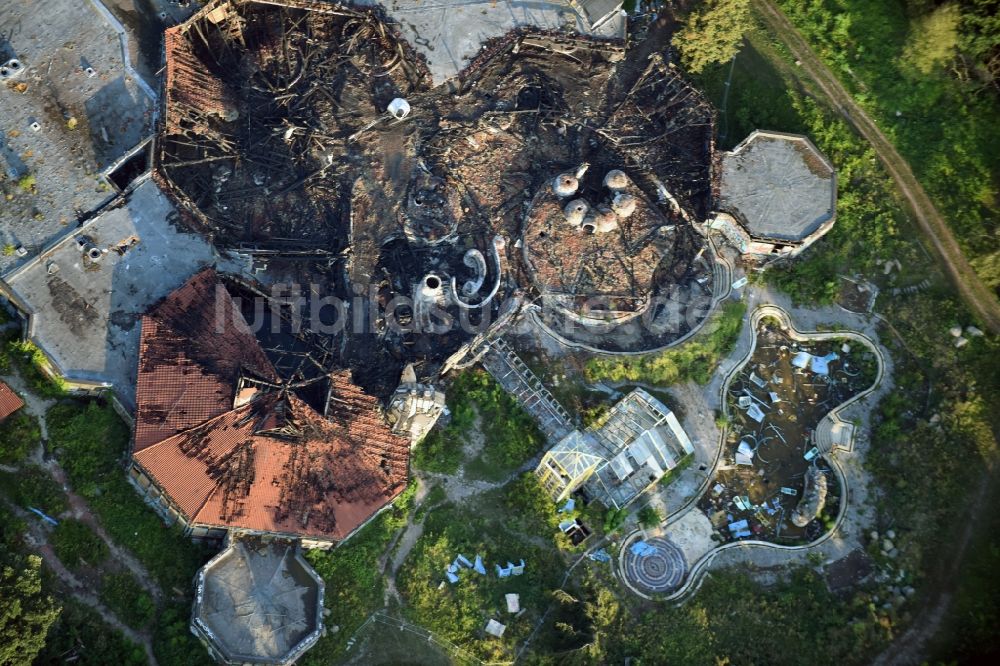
712, 34
27, 612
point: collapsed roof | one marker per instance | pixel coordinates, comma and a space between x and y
234, 445
277, 143
639, 441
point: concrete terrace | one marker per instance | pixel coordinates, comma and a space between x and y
85, 314
61, 125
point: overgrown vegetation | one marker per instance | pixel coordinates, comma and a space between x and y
19, 434
90, 442
31, 486
75, 544
501, 525
510, 435
27, 610
935, 432
126, 598
730, 621
80, 637
354, 582
33, 364
712, 33
649, 517
929, 73
694, 360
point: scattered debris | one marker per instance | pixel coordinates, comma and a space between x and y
494, 628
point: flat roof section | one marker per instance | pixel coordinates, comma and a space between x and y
85, 313
259, 603
71, 113
779, 186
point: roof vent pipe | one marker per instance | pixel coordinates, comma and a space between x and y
567, 183
399, 108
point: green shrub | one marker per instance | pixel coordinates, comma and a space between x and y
34, 367
127, 599
19, 434
649, 517
32, 486
27, 182
75, 543
613, 519
173, 642
694, 360
88, 439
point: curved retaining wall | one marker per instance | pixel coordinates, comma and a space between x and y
722, 279
697, 571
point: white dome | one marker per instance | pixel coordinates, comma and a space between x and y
575, 211
616, 180
623, 204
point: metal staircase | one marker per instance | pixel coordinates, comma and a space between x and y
518, 380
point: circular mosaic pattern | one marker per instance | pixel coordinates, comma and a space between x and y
659, 571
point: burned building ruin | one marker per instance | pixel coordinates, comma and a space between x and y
227, 442
307, 138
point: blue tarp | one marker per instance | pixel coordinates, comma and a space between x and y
452, 568
478, 566
464, 561
452, 578
642, 549
518, 569
568, 506
739, 525
742, 534
503, 573
44, 517
600, 555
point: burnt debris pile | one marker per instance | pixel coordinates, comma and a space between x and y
307, 137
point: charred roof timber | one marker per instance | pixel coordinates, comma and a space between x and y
284, 135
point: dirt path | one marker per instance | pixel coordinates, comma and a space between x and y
907, 648
37, 539
82, 512
935, 229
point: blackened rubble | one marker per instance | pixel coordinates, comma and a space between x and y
277, 143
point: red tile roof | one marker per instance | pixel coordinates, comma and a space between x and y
273, 464
10, 402
191, 89
194, 346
